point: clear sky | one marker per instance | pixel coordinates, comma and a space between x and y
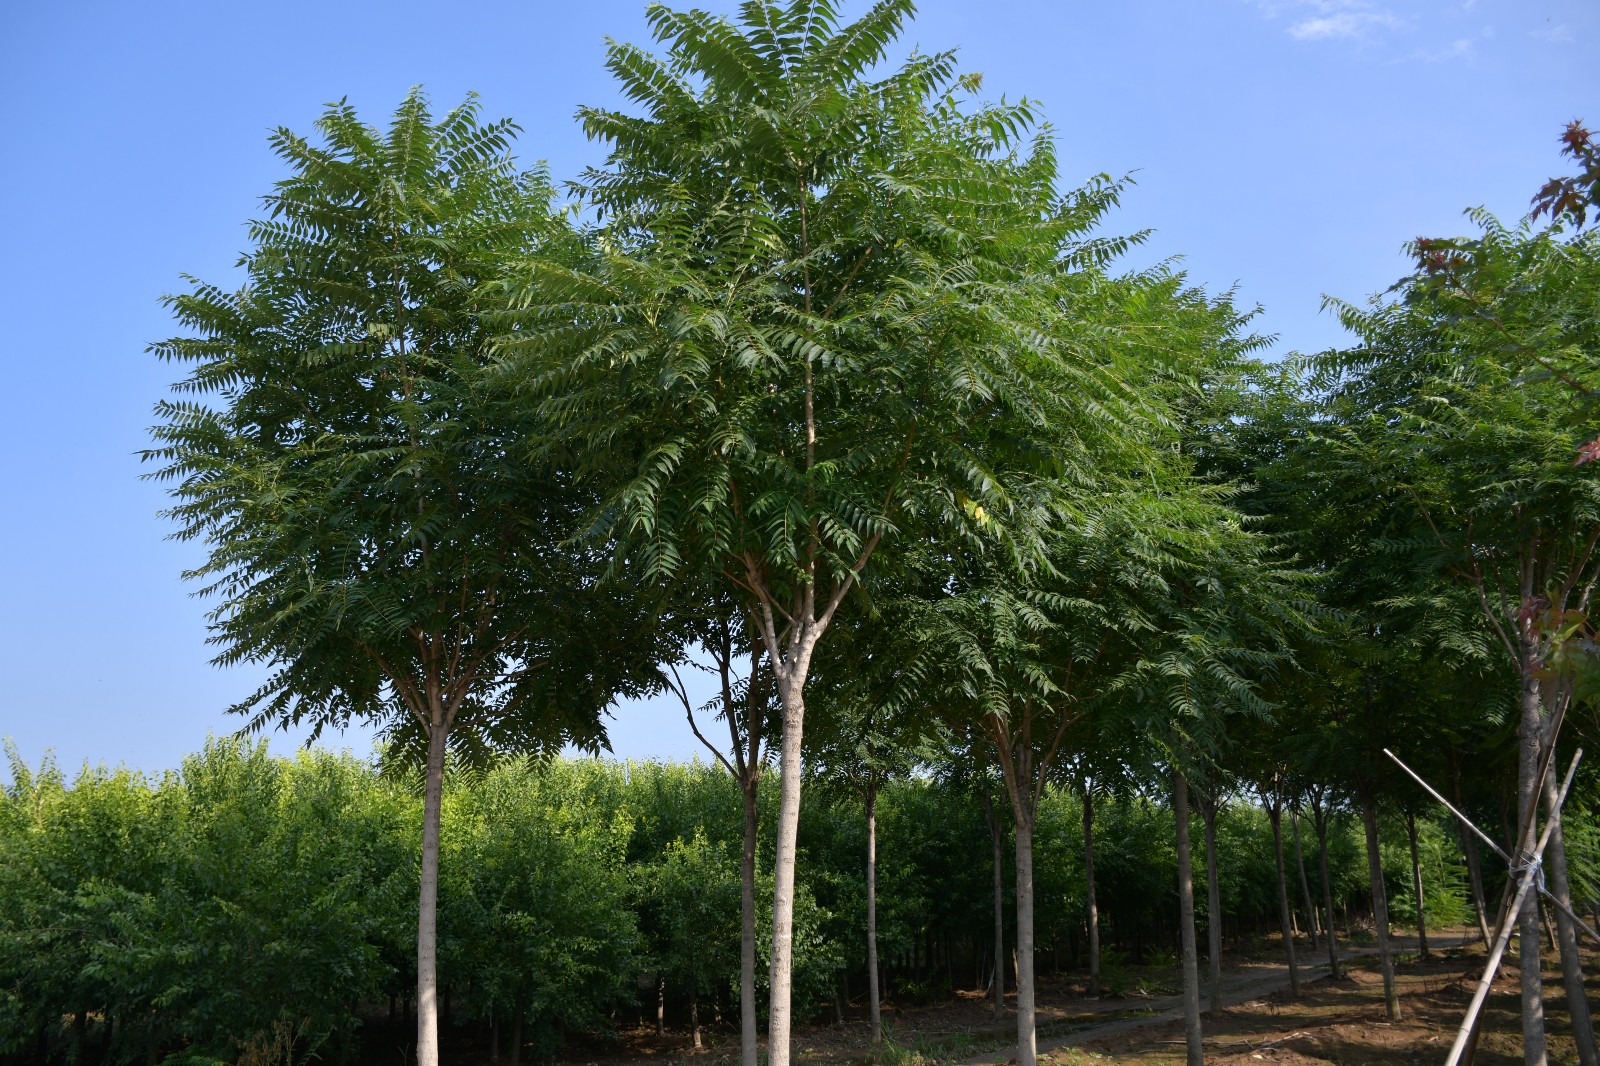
1286, 147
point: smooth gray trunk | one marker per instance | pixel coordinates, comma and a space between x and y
1027, 1043
1192, 1037
428, 903
749, 1035
874, 1007
1555, 864
1312, 917
1416, 883
1530, 741
1275, 816
1208, 813
779, 1017
1380, 907
1093, 906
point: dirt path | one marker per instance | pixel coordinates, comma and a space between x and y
1241, 984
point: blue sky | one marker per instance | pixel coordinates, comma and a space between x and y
1286, 147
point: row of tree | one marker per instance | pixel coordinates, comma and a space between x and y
246, 907
822, 383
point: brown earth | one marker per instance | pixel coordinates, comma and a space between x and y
1334, 1021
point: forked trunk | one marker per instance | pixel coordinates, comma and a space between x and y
1312, 918
1027, 1043
1093, 907
1380, 906
1275, 816
1530, 741
1416, 883
874, 1009
749, 1036
1208, 814
1191, 966
428, 903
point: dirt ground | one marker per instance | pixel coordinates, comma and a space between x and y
1342, 1021
1334, 1021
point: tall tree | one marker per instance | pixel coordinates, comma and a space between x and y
375, 537
1438, 403
813, 302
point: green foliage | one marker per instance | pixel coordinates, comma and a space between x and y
245, 903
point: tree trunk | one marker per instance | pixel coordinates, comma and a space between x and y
694, 1016
749, 1036
874, 1010
792, 677
661, 1005
1312, 918
1320, 824
1275, 816
1027, 1043
1530, 741
428, 903
1555, 864
999, 982
1416, 883
1191, 966
1093, 907
516, 1035
1208, 813
1380, 906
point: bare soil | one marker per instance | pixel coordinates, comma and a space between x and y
1334, 1021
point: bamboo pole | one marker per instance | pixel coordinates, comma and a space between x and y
1502, 938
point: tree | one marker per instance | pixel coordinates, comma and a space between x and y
376, 536
745, 704
813, 303
1437, 403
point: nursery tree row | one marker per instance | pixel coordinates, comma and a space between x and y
245, 906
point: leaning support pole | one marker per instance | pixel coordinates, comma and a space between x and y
1503, 936
1481, 835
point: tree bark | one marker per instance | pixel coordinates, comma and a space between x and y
1555, 864
1416, 883
874, 1009
1380, 905
1208, 814
1027, 1043
999, 982
1191, 968
1469, 847
1313, 920
1093, 906
694, 1017
1275, 816
1530, 742
428, 902
749, 1036
779, 1017
1319, 822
